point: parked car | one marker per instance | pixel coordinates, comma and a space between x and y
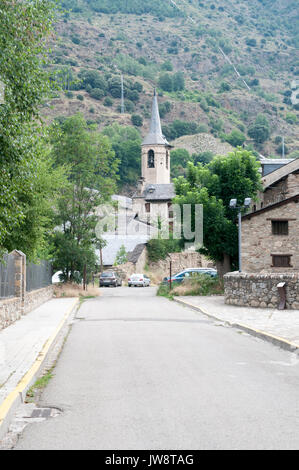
110, 278
139, 280
190, 273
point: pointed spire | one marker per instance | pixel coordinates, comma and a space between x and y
155, 135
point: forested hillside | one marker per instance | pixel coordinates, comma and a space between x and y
228, 69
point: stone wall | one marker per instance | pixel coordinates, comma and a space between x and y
259, 244
36, 298
10, 311
160, 269
181, 261
260, 290
12, 308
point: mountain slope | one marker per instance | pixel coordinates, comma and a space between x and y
237, 59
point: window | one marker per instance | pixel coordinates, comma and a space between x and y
167, 159
147, 207
170, 211
151, 159
281, 261
280, 227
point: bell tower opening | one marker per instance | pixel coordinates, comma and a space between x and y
151, 159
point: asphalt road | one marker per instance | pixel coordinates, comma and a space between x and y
140, 372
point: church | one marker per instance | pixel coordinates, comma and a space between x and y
150, 208
152, 201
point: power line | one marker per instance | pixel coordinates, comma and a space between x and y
224, 55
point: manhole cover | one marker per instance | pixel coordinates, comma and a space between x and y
49, 412
41, 413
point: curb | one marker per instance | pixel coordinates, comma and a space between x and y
16, 397
276, 340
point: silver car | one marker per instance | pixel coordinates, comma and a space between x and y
139, 280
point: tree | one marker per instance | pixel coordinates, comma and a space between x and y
137, 120
24, 27
121, 256
92, 179
260, 129
225, 177
126, 143
178, 81
236, 138
178, 161
37, 192
165, 82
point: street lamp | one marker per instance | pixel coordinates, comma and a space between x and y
233, 204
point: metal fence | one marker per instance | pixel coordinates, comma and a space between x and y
38, 275
7, 276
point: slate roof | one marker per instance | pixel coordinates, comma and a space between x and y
159, 192
155, 135
137, 233
134, 255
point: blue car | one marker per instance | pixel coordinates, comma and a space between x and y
188, 273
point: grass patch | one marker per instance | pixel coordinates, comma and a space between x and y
39, 385
201, 285
75, 290
164, 291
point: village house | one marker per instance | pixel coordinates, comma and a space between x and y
270, 233
270, 246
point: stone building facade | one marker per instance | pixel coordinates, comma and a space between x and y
270, 245
270, 232
270, 238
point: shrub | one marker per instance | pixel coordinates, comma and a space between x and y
97, 93
137, 120
200, 285
224, 86
260, 129
291, 118
108, 101
235, 138
80, 97
158, 248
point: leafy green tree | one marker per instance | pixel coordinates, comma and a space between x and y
92, 179
121, 256
24, 27
137, 120
178, 81
165, 82
179, 159
225, 177
126, 143
260, 129
236, 138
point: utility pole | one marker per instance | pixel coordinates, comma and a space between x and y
122, 105
234, 205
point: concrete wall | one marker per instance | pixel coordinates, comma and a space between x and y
260, 290
258, 243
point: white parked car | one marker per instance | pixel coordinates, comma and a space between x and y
139, 280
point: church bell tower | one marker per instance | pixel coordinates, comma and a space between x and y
155, 164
